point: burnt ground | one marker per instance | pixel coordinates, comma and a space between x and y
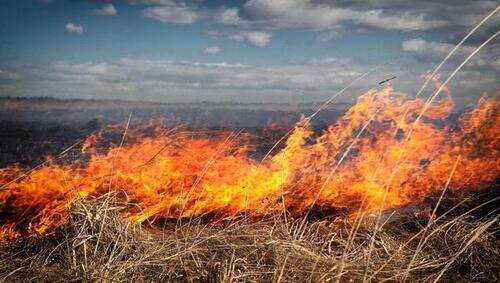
32, 128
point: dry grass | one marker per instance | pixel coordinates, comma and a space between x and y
98, 244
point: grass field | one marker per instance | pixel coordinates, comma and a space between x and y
98, 244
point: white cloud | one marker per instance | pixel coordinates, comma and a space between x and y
171, 14
326, 16
328, 35
107, 10
9, 75
329, 18
180, 81
258, 38
228, 16
406, 21
436, 51
425, 49
156, 2
212, 50
167, 81
236, 37
74, 28
330, 61
432, 50
255, 38
323, 15
453, 14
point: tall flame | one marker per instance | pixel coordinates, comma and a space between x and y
367, 154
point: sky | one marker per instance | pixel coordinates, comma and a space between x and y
285, 51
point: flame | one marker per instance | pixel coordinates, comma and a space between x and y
367, 154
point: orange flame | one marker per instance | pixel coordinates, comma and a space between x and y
175, 174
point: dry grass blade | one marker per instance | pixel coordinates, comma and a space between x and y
243, 251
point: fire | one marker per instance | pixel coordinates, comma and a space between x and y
366, 154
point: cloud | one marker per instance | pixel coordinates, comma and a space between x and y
328, 35
255, 38
9, 75
320, 15
228, 16
171, 81
107, 10
451, 13
158, 2
212, 50
323, 15
430, 51
158, 80
328, 18
74, 28
171, 14
326, 61
171, 11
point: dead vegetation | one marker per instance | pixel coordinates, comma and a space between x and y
99, 244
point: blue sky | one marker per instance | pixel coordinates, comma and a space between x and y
248, 50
